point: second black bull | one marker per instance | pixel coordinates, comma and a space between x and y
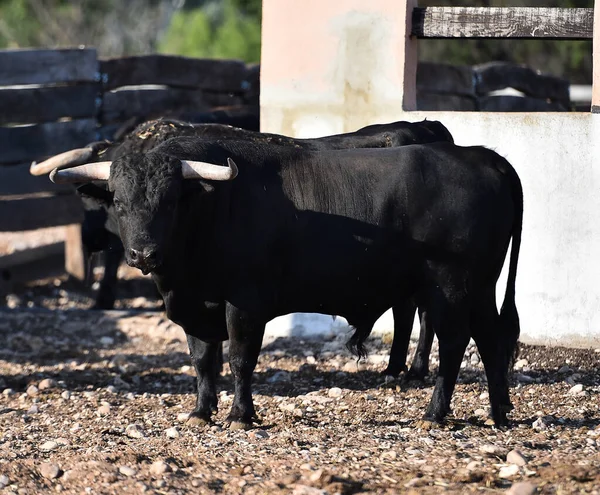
100, 231
350, 232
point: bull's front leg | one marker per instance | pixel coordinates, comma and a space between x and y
207, 359
245, 340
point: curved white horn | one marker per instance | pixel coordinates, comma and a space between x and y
204, 170
68, 158
83, 173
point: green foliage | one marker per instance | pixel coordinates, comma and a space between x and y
228, 29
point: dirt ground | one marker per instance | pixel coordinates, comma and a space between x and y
96, 402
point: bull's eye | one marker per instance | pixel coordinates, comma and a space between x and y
118, 205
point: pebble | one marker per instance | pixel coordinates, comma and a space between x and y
515, 457
160, 467
311, 360
280, 376
49, 445
4, 481
183, 417
47, 384
474, 359
521, 363
127, 471
490, 449
104, 410
576, 390
522, 488
33, 409
172, 432
111, 389
481, 413
50, 471
508, 471
335, 392
66, 395
32, 391
539, 424
258, 434
8, 392
135, 431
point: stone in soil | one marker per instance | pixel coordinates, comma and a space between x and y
47, 383
159, 467
515, 457
49, 446
135, 431
522, 488
172, 432
335, 392
32, 391
508, 471
50, 471
127, 471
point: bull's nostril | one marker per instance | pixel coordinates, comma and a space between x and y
134, 254
150, 255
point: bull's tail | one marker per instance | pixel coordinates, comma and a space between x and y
509, 318
356, 344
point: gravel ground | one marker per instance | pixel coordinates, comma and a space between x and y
96, 402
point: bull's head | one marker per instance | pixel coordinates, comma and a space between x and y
145, 191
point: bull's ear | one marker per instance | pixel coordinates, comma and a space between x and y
98, 193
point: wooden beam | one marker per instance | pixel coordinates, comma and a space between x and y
16, 180
42, 66
503, 22
596, 60
26, 143
31, 264
34, 213
74, 259
183, 72
47, 104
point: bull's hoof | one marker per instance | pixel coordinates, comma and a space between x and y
394, 371
240, 425
425, 424
198, 420
417, 376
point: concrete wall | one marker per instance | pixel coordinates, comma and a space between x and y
338, 80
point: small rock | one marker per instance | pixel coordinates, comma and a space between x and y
484, 396
311, 360
127, 471
172, 432
135, 431
111, 389
508, 471
539, 424
66, 395
32, 391
50, 471
159, 468
522, 488
183, 417
481, 413
107, 341
576, 390
258, 434
307, 490
280, 376
490, 449
473, 465
515, 457
8, 392
521, 363
4, 481
474, 359
47, 384
104, 410
48, 446
335, 392
33, 409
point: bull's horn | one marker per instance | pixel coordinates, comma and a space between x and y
204, 170
84, 173
66, 159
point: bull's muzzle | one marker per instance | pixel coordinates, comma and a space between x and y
147, 259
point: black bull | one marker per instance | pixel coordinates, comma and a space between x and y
100, 231
347, 233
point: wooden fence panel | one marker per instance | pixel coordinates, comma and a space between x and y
16, 180
503, 22
23, 143
49, 103
47, 66
183, 72
35, 213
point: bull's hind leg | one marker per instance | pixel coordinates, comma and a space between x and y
245, 339
447, 306
487, 333
207, 360
404, 315
419, 368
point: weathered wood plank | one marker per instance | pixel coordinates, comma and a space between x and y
75, 264
150, 103
507, 103
445, 79
32, 264
41, 66
432, 101
29, 214
499, 75
47, 104
215, 75
16, 180
503, 22
26, 143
